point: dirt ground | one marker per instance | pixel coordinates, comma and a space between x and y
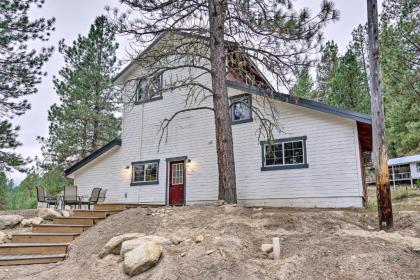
315, 244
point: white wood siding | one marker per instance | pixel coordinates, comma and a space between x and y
332, 179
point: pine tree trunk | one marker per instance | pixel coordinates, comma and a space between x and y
379, 153
224, 140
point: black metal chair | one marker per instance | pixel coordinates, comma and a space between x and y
93, 199
43, 197
102, 195
70, 197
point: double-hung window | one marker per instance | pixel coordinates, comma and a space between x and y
285, 153
149, 89
145, 173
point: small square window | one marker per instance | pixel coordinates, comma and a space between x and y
241, 108
149, 89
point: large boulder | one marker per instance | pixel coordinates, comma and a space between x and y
142, 258
114, 244
129, 245
3, 237
31, 221
48, 214
10, 220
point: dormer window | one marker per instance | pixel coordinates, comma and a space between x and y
149, 89
240, 108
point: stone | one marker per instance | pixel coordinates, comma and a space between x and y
267, 248
370, 227
416, 250
114, 244
133, 243
10, 220
183, 254
219, 202
199, 238
176, 239
3, 237
31, 221
209, 252
48, 214
142, 258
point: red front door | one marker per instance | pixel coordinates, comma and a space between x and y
176, 183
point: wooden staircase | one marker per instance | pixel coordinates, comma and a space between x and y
47, 243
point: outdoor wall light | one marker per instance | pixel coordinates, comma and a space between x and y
127, 167
189, 160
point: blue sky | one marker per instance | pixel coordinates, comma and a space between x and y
76, 16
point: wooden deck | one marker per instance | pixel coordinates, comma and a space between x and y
48, 243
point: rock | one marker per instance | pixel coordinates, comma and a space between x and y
114, 244
129, 245
416, 250
370, 227
10, 220
219, 202
142, 258
32, 221
158, 239
267, 248
209, 252
3, 237
48, 214
199, 238
183, 254
176, 239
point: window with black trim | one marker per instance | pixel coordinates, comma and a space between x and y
241, 108
149, 89
418, 166
145, 172
285, 153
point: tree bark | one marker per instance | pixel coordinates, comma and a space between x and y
379, 153
224, 140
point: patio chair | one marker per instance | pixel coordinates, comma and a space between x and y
43, 197
70, 197
93, 199
102, 195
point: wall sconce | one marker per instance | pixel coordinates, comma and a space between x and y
127, 167
189, 160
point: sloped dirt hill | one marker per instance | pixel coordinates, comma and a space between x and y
315, 244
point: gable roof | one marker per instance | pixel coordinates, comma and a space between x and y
404, 160
314, 105
92, 156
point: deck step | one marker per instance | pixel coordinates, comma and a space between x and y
33, 248
111, 206
94, 213
30, 259
32, 237
90, 221
51, 228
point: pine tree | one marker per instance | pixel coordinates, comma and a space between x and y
400, 59
85, 118
304, 87
325, 71
6, 192
348, 88
20, 70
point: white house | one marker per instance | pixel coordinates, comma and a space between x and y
404, 169
315, 161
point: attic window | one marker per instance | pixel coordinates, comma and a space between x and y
241, 108
149, 89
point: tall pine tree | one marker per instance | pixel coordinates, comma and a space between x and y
20, 70
85, 118
325, 71
304, 87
